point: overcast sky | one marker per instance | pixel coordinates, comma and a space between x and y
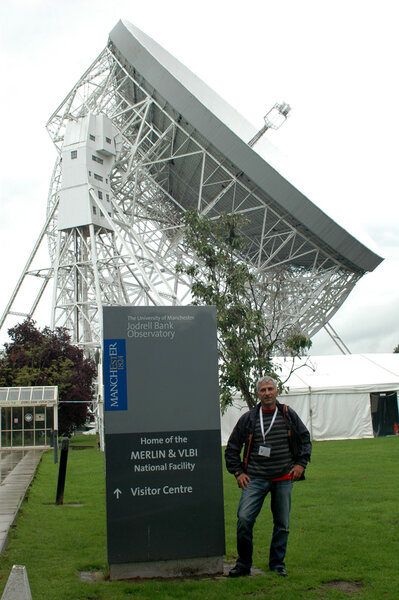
335, 63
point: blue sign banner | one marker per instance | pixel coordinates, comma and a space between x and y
115, 382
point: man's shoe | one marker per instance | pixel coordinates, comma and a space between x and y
239, 571
280, 571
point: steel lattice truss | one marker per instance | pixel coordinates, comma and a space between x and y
163, 167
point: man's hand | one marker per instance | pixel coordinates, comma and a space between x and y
243, 480
296, 472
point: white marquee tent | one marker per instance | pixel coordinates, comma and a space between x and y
339, 397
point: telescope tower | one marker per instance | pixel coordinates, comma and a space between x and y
140, 140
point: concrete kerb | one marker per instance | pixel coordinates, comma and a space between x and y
13, 490
17, 587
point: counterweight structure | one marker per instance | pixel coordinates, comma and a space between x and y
140, 140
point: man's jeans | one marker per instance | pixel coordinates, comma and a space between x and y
251, 502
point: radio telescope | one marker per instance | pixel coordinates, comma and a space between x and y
140, 140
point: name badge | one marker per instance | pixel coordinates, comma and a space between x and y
264, 451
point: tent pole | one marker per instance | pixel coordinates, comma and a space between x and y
310, 413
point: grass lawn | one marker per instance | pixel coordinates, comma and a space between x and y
344, 540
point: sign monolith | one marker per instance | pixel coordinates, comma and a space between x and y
162, 441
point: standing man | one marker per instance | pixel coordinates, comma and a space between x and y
277, 449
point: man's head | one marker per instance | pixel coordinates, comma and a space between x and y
267, 388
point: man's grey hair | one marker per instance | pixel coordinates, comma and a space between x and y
265, 379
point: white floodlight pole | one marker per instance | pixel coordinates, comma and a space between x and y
273, 120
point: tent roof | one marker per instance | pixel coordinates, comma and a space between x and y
344, 373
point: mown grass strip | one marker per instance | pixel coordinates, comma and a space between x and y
344, 539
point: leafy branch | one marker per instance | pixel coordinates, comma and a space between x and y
250, 331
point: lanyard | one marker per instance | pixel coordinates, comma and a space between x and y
262, 428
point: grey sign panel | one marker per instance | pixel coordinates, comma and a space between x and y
164, 500
171, 358
162, 434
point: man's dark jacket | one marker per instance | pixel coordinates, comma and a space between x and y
243, 433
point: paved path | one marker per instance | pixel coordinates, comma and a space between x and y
17, 468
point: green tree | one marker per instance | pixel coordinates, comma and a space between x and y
396, 349
46, 357
248, 334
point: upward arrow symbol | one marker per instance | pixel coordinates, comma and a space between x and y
117, 493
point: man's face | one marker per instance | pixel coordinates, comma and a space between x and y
267, 394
